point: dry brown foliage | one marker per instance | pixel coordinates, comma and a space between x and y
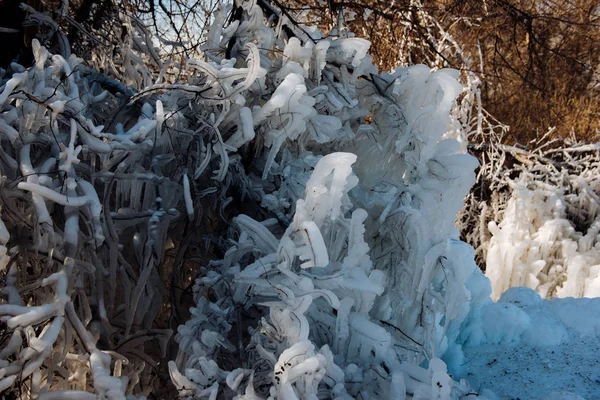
538, 59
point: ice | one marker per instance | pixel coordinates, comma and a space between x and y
325, 190
4, 238
315, 250
189, 205
348, 50
535, 245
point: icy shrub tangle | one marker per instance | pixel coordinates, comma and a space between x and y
365, 292
326, 323
354, 286
537, 243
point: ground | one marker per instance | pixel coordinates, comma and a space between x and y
555, 357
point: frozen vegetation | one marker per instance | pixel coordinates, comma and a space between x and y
342, 274
548, 235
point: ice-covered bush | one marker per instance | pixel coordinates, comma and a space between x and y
93, 178
342, 274
82, 181
311, 295
547, 238
533, 216
366, 286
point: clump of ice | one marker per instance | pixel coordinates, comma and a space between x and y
536, 244
519, 317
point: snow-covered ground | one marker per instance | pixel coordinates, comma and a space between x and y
527, 348
524, 347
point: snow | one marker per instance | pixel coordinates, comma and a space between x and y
533, 373
541, 339
535, 349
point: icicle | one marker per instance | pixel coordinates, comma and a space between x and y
189, 205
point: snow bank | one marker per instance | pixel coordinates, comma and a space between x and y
529, 348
